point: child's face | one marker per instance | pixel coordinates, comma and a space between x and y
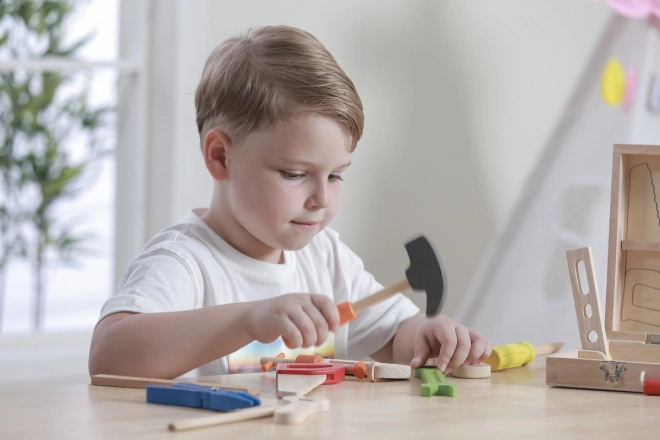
284, 183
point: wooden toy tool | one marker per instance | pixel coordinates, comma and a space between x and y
518, 355
293, 411
592, 331
300, 379
109, 380
425, 273
373, 371
200, 396
435, 383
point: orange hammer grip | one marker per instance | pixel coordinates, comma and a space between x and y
346, 313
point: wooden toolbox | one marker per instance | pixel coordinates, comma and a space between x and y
623, 354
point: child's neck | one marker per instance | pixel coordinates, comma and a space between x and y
220, 219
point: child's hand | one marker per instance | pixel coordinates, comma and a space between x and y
302, 320
453, 344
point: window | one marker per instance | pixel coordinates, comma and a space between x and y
113, 75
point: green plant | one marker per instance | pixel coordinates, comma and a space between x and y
42, 113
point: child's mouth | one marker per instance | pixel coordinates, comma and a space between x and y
305, 225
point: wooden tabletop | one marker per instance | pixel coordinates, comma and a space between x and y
511, 404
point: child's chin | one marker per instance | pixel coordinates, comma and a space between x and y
295, 244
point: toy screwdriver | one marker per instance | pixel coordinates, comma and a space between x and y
518, 355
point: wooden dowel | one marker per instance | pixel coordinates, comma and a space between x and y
544, 350
219, 419
108, 380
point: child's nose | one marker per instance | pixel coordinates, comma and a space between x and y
320, 198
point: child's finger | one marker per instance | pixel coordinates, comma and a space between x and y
477, 349
328, 309
462, 350
290, 333
421, 353
320, 324
447, 341
304, 325
487, 351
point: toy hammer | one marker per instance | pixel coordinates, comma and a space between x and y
425, 273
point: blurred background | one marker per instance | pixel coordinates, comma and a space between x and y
100, 148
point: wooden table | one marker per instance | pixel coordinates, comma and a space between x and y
513, 404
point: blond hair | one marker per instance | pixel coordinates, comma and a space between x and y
254, 81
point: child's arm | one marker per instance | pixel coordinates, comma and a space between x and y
419, 338
167, 345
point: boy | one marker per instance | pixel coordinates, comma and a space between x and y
278, 122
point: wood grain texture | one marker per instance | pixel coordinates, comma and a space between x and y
634, 351
364, 303
643, 246
568, 370
618, 204
510, 404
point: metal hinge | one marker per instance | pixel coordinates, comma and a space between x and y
652, 339
613, 370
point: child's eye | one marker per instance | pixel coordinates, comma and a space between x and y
291, 176
334, 177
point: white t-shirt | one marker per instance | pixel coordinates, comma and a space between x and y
188, 266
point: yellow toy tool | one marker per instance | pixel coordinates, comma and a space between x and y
517, 355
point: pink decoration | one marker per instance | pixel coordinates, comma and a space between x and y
631, 87
635, 8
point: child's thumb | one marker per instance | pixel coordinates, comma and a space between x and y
420, 357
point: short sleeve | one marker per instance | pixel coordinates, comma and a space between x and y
157, 281
376, 326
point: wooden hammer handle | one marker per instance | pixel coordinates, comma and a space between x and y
377, 297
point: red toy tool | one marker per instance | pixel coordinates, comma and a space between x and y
334, 373
300, 379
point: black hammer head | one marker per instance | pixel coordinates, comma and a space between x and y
426, 273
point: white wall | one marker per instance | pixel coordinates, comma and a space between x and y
459, 97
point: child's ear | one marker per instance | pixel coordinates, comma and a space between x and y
216, 145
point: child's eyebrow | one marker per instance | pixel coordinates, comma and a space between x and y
311, 164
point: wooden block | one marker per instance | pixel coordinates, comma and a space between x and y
480, 371
108, 380
391, 372
298, 409
298, 384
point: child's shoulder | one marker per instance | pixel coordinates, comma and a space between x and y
187, 239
